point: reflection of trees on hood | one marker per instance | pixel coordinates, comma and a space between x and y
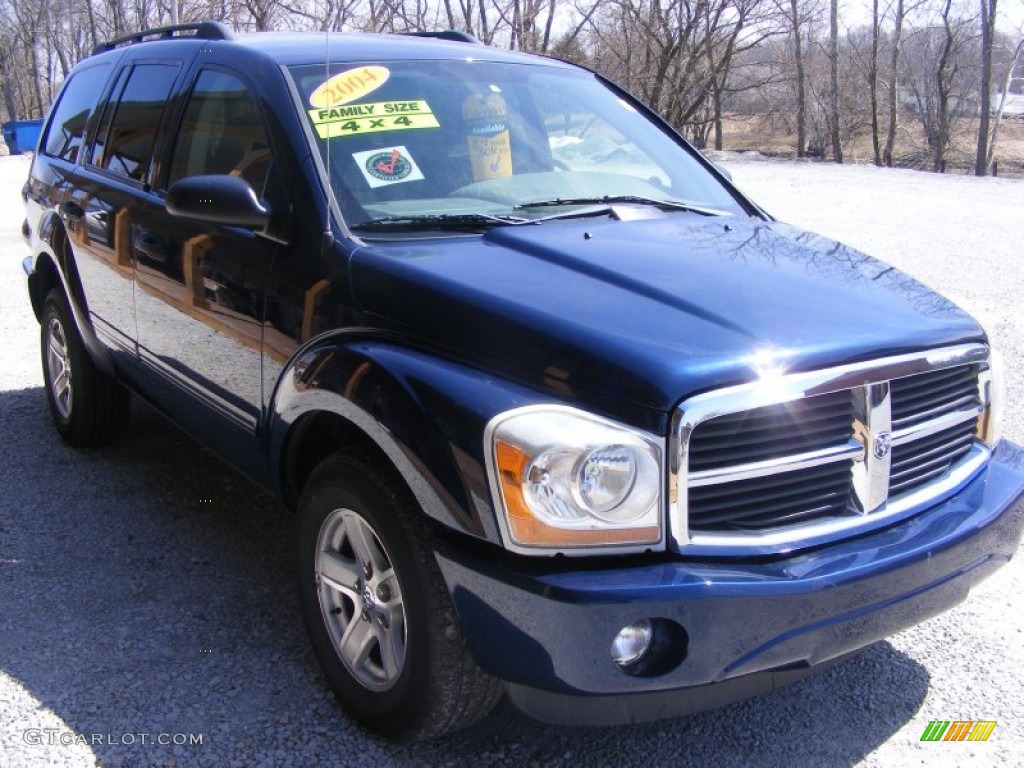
780, 245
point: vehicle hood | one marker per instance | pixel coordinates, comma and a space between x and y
649, 311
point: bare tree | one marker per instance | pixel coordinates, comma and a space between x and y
796, 19
530, 23
988, 31
876, 23
678, 55
941, 73
1015, 57
899, 16
944, 86
324, 15
694, 61
835, 125
261, 13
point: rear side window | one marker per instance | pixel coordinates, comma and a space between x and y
71, 114
126, 146
221, 132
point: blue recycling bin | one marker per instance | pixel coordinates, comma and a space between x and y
22, 135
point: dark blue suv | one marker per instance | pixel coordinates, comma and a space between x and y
558, 411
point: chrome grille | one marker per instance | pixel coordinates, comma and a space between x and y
762, 502
914, 464
796, 459
761, 435
916, 399
772, 431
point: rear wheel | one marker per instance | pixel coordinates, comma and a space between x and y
87, 406
377, 609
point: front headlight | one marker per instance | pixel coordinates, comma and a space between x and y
565, 479
990, 424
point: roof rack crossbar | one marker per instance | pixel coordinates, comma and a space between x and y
204, 30
447, 34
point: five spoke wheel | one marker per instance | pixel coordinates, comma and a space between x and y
361, 600
88, 406
58, 363
377, 607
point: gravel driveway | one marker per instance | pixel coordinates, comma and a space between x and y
146, 591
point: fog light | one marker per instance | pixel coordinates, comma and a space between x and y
632, 642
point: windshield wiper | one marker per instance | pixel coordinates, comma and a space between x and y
478, 222
457, 222
609, 200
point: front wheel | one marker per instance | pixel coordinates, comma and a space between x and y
378, 612
87, 406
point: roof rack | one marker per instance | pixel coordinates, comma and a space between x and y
447, 34
204, 30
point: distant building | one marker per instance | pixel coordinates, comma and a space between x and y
1014, 106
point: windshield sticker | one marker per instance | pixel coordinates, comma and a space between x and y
354, 119
348, 86
390, 165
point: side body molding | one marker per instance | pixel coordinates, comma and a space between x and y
426, 413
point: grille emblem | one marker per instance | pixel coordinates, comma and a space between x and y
881, 444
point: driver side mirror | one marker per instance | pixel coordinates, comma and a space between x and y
219, 199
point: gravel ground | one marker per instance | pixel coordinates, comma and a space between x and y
132, 608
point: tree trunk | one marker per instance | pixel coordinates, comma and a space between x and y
944, 87
516, 33
719, 126
801, 82
485, 32
40, 106
546, 44
7, 85
833, 55
873, 84
988, 22
92, 24
894, 64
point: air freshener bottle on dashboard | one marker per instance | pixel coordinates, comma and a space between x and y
490, 150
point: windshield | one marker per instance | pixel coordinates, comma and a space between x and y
484, 144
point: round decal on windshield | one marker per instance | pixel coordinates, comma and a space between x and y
389, 165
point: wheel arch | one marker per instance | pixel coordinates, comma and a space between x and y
314, 437
54, 266
424, 414
44, 278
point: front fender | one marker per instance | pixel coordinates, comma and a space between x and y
427, 414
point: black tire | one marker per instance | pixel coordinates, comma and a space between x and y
88, 407
437, 688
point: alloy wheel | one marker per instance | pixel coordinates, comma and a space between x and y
58, 364
360, 600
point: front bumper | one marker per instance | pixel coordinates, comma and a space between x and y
751, 626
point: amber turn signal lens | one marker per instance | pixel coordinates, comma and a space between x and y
526, 529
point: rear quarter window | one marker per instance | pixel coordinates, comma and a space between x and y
71, 113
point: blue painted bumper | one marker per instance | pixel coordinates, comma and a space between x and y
752, 625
